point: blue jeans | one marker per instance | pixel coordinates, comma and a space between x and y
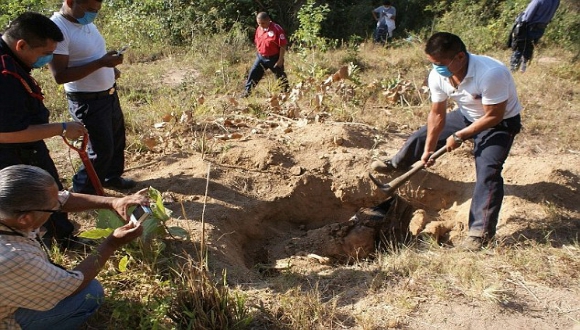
491, 148
69, 313
105, 123
381, 34
261, 64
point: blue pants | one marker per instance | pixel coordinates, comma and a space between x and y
261, 64
381, 34
36, 154
69, 313
491, 148
105, 123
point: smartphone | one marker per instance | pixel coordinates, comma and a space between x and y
122, 50
140, 213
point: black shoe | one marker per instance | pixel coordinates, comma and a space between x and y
119, 183
383, 166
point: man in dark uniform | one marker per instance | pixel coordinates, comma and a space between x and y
270, 41
531, 25
28, 43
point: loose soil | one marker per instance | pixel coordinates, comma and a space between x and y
263, 186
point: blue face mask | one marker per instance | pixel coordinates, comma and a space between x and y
42, 61
443, 70
88, 18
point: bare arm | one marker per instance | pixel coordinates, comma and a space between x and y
59, 66
40, 132
435, 124
493, 116
81, 202
91, 266
280, 62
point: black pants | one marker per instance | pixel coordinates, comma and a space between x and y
491, 148
105, 122
58, 225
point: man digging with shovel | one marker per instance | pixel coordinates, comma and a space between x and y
488, 111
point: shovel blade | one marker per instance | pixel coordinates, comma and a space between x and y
385, 188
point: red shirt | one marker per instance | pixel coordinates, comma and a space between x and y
269, 41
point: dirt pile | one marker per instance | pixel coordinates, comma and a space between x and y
274, 188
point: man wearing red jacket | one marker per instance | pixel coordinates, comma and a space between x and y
270, 41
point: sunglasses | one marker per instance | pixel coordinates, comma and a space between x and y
58, 210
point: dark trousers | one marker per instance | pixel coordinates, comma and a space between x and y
261, 64
491, 148
381, 34
524, 47
58, 225
105, 123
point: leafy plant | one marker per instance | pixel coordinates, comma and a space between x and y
308, 35
154, 226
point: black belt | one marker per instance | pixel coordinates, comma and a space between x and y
85, 96
270, 57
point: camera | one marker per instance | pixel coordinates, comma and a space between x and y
140, 213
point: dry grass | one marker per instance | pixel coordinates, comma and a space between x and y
152, 296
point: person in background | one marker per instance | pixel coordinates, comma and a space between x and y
271, 42
88, 72
385, 16
28, 43
36, 293
530, 27
488, 111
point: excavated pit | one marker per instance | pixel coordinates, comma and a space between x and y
268, 193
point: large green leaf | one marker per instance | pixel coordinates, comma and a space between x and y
178, 232
152, 227
123, 264
108, 219
158, 208
96, 233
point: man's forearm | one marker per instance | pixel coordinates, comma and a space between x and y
77, 72
32, 134
83, 202
282, 53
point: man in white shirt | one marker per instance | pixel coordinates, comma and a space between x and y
385, 16
488, 111
88, 72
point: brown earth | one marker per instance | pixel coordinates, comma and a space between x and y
270, 194
279, 182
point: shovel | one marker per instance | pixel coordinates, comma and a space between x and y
391, 187
82, 150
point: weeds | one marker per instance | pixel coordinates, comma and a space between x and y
165, 289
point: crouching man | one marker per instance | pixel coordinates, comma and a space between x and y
36, 293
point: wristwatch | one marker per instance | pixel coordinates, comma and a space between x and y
63, 133
457, 139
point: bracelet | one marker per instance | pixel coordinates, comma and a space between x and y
457, 139
63, 133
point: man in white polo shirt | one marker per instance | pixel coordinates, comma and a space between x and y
488, 111
88, 72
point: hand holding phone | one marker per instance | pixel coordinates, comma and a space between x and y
122, 50
140, 213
